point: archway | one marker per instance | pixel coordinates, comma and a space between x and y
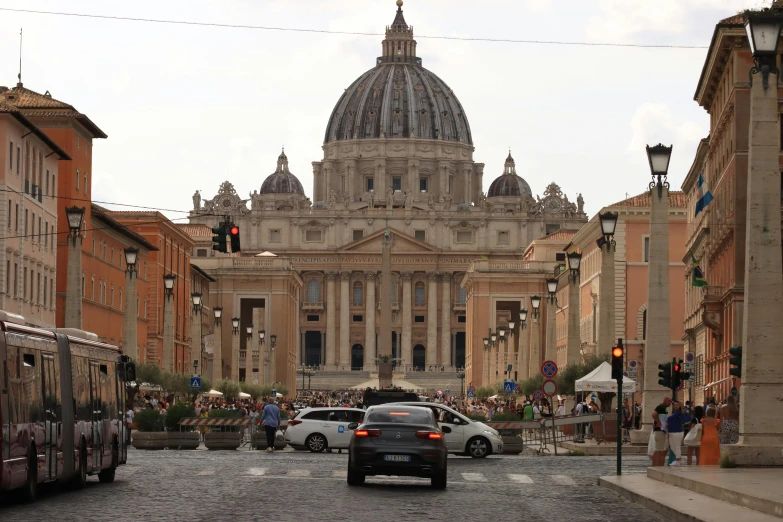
313, 348
357, 357
419, 358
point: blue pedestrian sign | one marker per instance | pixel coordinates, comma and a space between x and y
195, 383
471, 394
508, 387
274, 392
448, 391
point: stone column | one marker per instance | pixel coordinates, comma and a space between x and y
445, 326
235, 356
510, 353
168, 332
331, 316
534, 366
195, 342
73, 290
369, 322
606, 295
217, 353
761, 394
487, 358
551, 330
432, 320
658, 349
131, 346
523, 352
574, 335
406, 353
345, 326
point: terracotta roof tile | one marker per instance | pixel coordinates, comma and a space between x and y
25, 98
195, 230
737, 19
676, 199
560, 235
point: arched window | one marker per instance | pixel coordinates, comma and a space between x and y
462, 295
395, 286
358, 293
418, 293
313, 291
77, 179
85, 183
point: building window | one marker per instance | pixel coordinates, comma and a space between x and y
313, 291
121, 301
395, 285
646, 249
421, 235
46, 282
358, 234
313, 236
47, 183
397, 184
24, 284
85, 183
424, 183
503, 237
358, 294
369, 184
560, 256
9, 214
358, 318
77, 179
84, 286
201, 252
11, 157
461, 319
51, 292
552, 228
112, 296
418, 293
92, 288
275, 235
112, 255
46, 236
26, 214
16, 218
464, 236
418, 318
462, 295
313, 318
16, 280
8, 273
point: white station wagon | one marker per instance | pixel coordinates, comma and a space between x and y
317, 429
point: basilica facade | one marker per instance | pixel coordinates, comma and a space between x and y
398, 156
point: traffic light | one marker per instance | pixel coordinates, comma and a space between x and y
665, 375
219, 238
736, 361
617, 362
676, 379
233, 232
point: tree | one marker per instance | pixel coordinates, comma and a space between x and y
149, 373
230, 389
530, 385
484, 392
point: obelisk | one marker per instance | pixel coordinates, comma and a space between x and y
384, 335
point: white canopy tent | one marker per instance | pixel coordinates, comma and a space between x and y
600, 381
213, 394
243, 395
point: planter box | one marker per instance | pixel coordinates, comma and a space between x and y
258, 441
183, 440
216, 440
512, 445
568, 429
605, 430
156, 440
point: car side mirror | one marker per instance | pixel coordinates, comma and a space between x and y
445, 429
353, 425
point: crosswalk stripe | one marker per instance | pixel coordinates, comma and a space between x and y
298, 473
208, 471
474, 477
256, 471
339, 473
563, 480
521, 479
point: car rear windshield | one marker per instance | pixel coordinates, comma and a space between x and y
399, 417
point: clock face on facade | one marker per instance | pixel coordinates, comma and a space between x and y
225, 202
553, 204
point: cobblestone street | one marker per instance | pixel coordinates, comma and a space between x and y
245, 485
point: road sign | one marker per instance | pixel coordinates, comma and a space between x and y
448, 391
633, 364
274, 393
538, 395
549, 387
517, 388
471, 394
472, 389
549, 369
734, 391
195, 383
626, 374
689, 358
508, 387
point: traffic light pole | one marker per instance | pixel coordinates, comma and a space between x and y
620, 418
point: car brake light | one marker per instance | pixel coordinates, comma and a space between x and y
432, 435
367, 433
294, 422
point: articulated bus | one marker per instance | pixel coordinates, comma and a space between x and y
62, 397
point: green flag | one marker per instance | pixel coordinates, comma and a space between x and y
698, 275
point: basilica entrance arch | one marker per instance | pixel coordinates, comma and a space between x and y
313, 348
357, 357
419, 358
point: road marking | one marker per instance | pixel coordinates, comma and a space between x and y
521, 479
208, 471
298, 473
256, 472
474, 477
340, 473
563, 480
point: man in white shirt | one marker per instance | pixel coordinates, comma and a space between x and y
580, 428
128, 421
560, 409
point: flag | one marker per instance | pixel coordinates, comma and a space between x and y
698, 275
705, 196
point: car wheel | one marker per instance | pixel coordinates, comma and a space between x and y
438, 480
107, 475
31, 487
80, 478
478, 447
355, 477
316, 443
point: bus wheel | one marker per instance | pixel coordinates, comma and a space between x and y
80, 478
106, 476
31, 488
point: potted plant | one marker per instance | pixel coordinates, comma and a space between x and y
223, 437
149, 432
181, 437
512, 440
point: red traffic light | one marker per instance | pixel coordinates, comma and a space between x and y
234, 231
617, 351
677, 368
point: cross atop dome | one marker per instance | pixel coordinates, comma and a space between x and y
399, 44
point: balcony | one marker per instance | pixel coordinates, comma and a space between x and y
312, 307
394, 306
713, 294
459, 307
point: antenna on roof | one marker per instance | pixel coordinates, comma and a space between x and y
20, 59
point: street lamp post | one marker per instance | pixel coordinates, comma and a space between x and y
551, 312
761, 434
130, 346
511, 349
606, 289
487, 349
195, 331
535, 358
501, 354
272, 356
522, 345
73, 289
217, 351
235, 348
574, 342
168, 322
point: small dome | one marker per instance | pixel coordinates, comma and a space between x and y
281, 181
509, 184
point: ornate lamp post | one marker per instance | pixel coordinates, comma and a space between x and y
130, 347
511, 349
217, 355
168, 321
574, 341
606, 288
235, 348
535, 358
487, 350
196, 348
551, 312
73, 289
272, 356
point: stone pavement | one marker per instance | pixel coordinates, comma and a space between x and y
243, 485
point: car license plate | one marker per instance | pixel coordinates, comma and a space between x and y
397, 458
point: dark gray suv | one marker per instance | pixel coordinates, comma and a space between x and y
398, 440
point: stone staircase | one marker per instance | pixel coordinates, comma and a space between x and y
331, 380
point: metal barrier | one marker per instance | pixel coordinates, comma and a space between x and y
540, 433
249, 427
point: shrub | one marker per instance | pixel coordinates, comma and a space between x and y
175, 413
506, 417
477, 417
727, 462
149, 419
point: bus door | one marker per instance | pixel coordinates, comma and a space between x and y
97, 416
51, 412
120, 386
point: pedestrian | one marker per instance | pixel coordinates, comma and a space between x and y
676, 434
658, 435
709, 452
694, 448
729, 422
270, 420
128, 421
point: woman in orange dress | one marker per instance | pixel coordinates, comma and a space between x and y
709, 453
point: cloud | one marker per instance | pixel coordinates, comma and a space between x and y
539, 6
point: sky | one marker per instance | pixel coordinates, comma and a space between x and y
187, 107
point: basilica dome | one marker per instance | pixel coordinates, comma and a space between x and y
398, 98
281, 181
509, 184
